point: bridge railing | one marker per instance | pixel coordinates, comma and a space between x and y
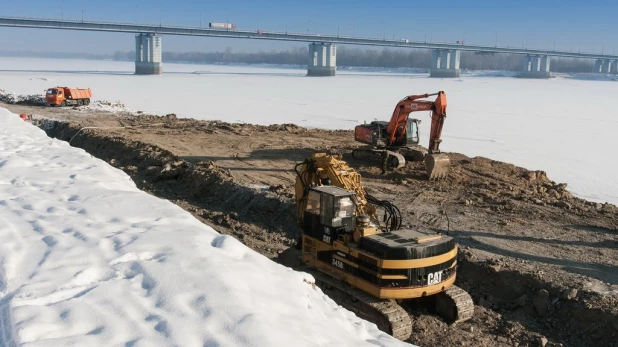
325, 37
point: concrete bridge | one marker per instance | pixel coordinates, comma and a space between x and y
322, 60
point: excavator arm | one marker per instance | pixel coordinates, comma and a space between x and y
437, 121
396, 128
437, 164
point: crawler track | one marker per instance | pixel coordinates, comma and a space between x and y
386, 314
455, 305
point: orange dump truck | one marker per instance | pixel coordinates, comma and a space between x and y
64, 96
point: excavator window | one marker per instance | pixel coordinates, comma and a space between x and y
412, 132
346, 207
337, 211
313, 202
328, 210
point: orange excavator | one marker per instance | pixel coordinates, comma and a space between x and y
398, 139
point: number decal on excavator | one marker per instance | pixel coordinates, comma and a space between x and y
326, 238
338, 263
434, 278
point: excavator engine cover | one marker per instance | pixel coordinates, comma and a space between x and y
411, 244
372, 134
437, 165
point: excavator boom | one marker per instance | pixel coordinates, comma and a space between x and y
436, 163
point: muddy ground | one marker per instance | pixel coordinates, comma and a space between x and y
540, 264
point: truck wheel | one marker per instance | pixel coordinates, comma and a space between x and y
63, 104
87, 101
80, 102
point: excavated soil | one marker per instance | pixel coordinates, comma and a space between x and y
540, 264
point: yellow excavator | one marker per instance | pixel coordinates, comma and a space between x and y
366, 263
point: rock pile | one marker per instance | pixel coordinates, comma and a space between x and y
12, 98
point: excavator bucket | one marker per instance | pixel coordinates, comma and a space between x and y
437, 166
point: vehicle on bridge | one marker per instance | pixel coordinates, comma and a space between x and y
65, 96
222, 26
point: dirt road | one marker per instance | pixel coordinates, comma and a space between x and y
541, 264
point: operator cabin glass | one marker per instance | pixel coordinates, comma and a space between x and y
52, 91
327, 217
313, 202
412, 132
344, 208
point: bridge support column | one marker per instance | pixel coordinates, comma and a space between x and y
536, 66
322, 59
604, 66
607, 66
148, 54
597, 66
445, 63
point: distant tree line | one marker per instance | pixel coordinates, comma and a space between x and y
363, 57
294, 56
59, 55
346, 56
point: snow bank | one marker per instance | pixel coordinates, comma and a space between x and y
109, 106
12, 98
87, 259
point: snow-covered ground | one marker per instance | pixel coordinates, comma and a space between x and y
87, 259
565, 126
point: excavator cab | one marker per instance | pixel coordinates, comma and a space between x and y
375, 134
329, 212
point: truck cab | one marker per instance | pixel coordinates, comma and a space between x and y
55, 97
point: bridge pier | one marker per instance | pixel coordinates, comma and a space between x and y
605, 66
536, 66
445, 63
608, 66
322, 59
148, 54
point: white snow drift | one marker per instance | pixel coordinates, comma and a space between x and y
87, 259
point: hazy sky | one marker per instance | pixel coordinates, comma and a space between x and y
560, 24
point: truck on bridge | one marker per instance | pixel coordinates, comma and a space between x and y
222, 26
